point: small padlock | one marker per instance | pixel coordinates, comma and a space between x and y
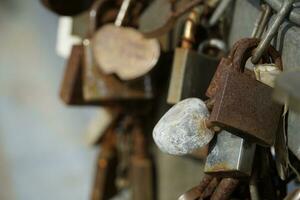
243, 105
104, 88
192, 71
230, 156
224, 65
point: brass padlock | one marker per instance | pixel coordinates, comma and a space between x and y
107, 88
192, 71
230, 156
243, 105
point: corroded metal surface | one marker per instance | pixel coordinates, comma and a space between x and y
230, 156
225, 189
182, 129
243, 105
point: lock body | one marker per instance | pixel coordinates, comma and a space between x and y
191, 71
230, 156
104, 88
191, 75
243, 105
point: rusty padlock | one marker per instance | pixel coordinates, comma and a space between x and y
104, 88
244, 105
223, 66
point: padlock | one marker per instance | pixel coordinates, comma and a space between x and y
243, 105
192, 71
230, 156
104, 88
222, 68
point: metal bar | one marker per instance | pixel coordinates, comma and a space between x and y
223, 5
294, 16
263, 20
264, 44
122, 12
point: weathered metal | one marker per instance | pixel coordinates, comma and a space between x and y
225, 189
243, 106
192, 71
222, 68
109, 89
230, 156
294, 15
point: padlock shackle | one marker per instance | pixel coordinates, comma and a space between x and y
94, 11
214, 43
244, 50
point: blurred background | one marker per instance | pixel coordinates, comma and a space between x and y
43, 153
44, 146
